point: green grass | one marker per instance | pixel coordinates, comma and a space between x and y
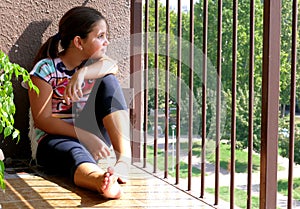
241, 159
240, 197
161, 164
241, 167
297, 120
282, 187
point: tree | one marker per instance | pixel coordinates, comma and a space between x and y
242, 61
285, 54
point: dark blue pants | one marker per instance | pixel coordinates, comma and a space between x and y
62, 154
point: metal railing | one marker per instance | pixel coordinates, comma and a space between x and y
163, 86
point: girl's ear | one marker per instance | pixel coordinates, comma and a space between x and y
78, 42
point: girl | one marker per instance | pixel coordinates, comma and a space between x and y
80, 110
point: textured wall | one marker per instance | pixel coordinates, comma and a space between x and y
26, 24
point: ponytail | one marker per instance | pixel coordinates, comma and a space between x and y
49, 49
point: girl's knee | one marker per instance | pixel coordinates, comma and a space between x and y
110, 81
110, 95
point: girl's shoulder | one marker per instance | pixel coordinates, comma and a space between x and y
44, 69
44, 63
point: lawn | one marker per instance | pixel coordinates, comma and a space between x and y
240, 197
282, 186
171, 171
241, 159
241, 167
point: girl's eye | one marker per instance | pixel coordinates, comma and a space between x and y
101, 36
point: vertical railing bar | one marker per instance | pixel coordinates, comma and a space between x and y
136, 68
292, 104
204, 75
146, 82
179, 54
167, 76
191, 90
251, 105
218, 101
233, 102
156, 68
270, 104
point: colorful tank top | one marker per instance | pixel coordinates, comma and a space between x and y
54, 72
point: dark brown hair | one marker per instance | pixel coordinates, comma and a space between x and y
78, 21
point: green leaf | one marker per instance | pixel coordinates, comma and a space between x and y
7, 131
8, 71
5, 114
35, 88
2, 183
16, 133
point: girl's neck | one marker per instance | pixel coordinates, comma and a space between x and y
70, 60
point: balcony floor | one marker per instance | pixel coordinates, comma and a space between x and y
29, 188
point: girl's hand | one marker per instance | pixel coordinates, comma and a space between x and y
73, 90
95, 146
98, 69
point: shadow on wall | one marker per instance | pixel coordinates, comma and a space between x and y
23, 53
26, 47
85, 2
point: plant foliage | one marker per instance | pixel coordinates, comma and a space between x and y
2, 184
8, 72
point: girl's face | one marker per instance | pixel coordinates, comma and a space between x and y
95, 45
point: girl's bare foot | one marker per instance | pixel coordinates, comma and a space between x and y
109, 187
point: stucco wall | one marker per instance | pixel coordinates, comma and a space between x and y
26, 24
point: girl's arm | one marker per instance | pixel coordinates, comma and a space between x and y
98, 69
41, 108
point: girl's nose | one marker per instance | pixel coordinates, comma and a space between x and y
106, 42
